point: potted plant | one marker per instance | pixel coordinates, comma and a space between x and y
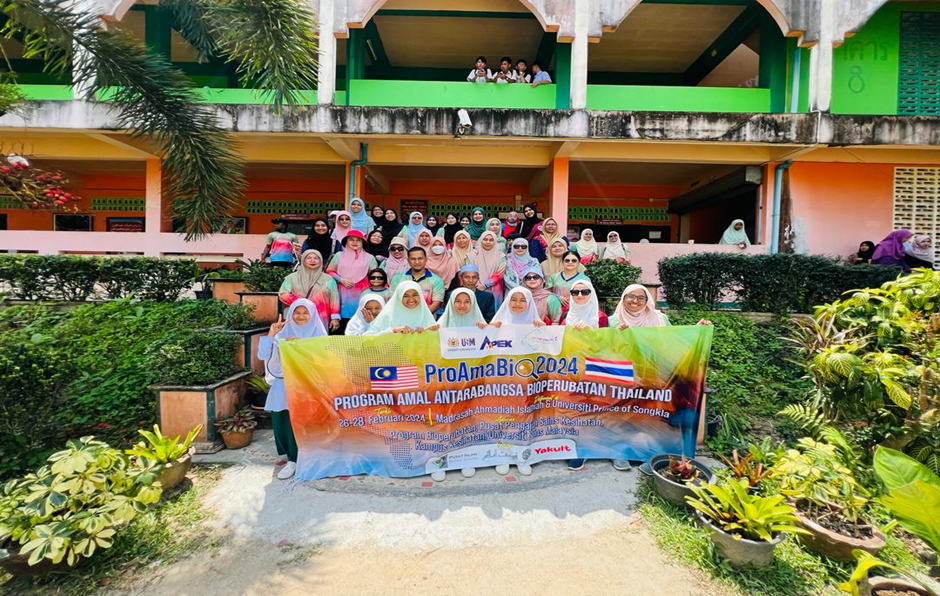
70, 508
257, 391
226, 283
262, 282
913, 498
205, 291
172, 458
674, 476
829, 501
237, 429
745, 527
746, 467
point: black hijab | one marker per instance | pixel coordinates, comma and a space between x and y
376, 250
322, 243
391, 229
866, 255
528, 224
451, 229
378, 220
435, 227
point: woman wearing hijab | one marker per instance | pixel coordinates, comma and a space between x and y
343, 227
527, 227
378, 284
735, 234
433, 225
360, 217
391, 227
397, 260
554, 262
492, 265
865, 251
547, 304
547, 234
586, 247
584, 311
449, 229
462, 249
319, 239
376, 245
423, 239
518, 261
310, 282
464, 221
890, 251
615, 249
496, 226
405, 312
462, 310
415, 225
300, 324
350, 269
378, 215
919, 252
477, 224
370, 305
561, 282
638, 309
441, 263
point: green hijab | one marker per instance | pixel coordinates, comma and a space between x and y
476, 229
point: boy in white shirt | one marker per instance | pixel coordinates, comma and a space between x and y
506, 74
480, 74
521, 75
541, 76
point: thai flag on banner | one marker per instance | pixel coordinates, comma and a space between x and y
608, 370
393, 377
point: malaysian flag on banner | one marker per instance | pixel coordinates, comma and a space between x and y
609, 370
387, 378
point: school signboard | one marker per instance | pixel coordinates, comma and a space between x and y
408, 405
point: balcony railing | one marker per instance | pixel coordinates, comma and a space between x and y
678, 99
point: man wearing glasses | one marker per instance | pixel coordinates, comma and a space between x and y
431, 285
469, 276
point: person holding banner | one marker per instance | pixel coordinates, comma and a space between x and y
405, 312
370, 305
638, 309
300, 324
584, 310
547, 304
462, 311
492, 265
310, 282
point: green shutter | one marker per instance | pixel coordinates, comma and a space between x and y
919, 80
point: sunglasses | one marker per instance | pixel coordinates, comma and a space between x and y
344, 219
519, 246
571, 261
397, 248
531, 277
376, 278
584, 292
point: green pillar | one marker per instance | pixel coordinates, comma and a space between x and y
562, 76
773, 63
158, 30
355, 59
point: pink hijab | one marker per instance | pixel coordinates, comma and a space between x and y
442, 265
487, 261
354, 264
338, 232
649, 317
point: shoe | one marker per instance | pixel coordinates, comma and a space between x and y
502, 469
281, 460
468, 472
575, 464
287, 471
524, 469
622, 465
438, 476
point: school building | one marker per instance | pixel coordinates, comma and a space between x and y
816, 122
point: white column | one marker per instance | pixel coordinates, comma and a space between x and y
326, 56
579, 54
820, 62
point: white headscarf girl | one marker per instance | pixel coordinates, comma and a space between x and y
291, 330
588, 313
733, 236
587, 247
396, 315
648, 317
615, 249
452, 318
508, 315
358, 325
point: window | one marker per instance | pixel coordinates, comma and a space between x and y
919, 80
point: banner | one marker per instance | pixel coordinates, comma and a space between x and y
392, 405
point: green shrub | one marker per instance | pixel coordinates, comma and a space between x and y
62, 277
195, 357
778, 283
610, 277
264, 277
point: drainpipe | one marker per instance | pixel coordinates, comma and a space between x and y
795, 82
775, 214
364, 152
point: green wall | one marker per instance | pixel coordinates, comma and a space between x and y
678, 99
426, 94
866, 67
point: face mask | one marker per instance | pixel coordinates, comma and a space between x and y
438, 250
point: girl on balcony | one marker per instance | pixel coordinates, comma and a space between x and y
735, 234
492, 266
370, 305
494, 225
397, 260
300, 324
586, 247
350, 269
462, 249
546, 233
517, 263
311, 283
562, 282
477, 224
360, 218
615, 249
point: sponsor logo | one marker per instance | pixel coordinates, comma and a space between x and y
526, 454
453, 342
559, 449
495, 343
440, 462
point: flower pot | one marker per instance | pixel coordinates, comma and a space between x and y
236, 440
741, 551
676, 492
873, 586
18, 565
838, 546
267, 305
203, 294
174, 472
225, 289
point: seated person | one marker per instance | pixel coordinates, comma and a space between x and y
480, 74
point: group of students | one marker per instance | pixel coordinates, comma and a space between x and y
509, 73
900, 248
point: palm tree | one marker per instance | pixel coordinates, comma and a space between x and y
272, 42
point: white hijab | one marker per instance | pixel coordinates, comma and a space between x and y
395, 314
313, 328
615, 250
451, 318
505, 315
585, 246
358, 325
732, 236
648, 317
587, 313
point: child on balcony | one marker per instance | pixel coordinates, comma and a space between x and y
506, 74
541, 75
480, 74
521, 75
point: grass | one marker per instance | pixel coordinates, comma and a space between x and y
794, 572
169, 532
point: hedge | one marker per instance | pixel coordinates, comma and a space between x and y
74, 278
610, 277
778, 283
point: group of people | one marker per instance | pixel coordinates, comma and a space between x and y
385, 276
900, 248
509, 72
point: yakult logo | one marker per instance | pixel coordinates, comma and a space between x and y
559, 449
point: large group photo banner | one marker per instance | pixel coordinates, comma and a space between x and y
405, 405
